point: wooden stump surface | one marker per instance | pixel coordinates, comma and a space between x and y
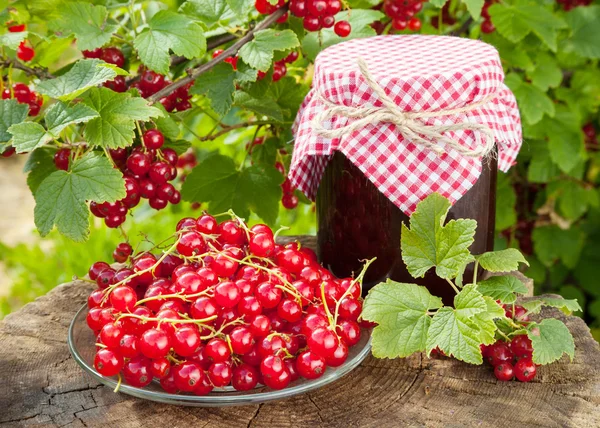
41, 385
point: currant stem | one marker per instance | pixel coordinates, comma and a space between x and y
359, 280
475, 272
181, 296
169, 320
453, 286
118, 384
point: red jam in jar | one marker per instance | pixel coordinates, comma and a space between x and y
357, 222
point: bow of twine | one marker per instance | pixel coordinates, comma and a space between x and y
410, 124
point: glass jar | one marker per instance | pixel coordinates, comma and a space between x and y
357, 222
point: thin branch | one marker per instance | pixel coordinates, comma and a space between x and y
41, 73
231, 51
463, 28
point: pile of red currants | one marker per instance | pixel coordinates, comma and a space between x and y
147, 170
223, 305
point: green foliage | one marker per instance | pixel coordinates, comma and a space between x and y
409, 319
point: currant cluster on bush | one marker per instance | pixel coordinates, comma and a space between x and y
24, 51
590, 135
402, 13
571, 4
147, 170
148, 83
224, 305
289, 200
512, 359
487, 26
24, 95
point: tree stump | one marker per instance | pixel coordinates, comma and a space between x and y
43, 386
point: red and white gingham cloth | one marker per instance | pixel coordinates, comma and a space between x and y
420, 73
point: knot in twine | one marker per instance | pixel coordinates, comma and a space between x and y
408, 123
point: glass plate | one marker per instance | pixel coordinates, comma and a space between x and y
81, 344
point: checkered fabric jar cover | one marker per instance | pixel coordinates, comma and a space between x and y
419, 73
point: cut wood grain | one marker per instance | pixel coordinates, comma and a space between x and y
43, 386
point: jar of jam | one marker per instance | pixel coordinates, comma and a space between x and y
389, 121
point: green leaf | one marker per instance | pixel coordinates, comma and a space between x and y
533, 102
180, 146
61, 197
12, 40
218, 85
429, 243
516, 21
565, 141
506, 214
501, 261
258, 53
474, 7
503, 288
567, 306
217, 181
485, 321
263, 106
88, 23
454, 330
61, 115
40, 164
117, 115
585, 37
166, 124
359, 20
27, 136
265, 153
240, 7
552, 243
401, 312
169, 30
209, 12
573, 198
541, 168
11, 113
550, 340
547, 73
85, 74
438, 3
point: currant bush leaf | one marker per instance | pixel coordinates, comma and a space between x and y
89, 23
550, 340
217, 181
516, 21
430, 243
265, 106
117, 113
474, 7
39, 165
585, 37
11, 113
501, 261
61, 197
547, 73
169, 30
13, 40
565, 142
485, 321
401, 311
567, 306
503, 288
241, 7
85, 74
552, 243
209, 12
258, 53
180, 146
455, 331
28, 135
533, 102
218, 85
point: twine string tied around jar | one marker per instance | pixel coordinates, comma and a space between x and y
410, 124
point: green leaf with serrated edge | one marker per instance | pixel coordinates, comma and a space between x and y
209, 12
567, 306
359, 20
245, 74
12, 40
85, 74
585, 37
429, 243
485, 320
258, 53
61, 197
39, 165
61, 115
547, 73
166, 124
438, 3
552, 243
217, 181
88, 23
455, 332
265, 153
401, 312
218, 85
503, 288
565, 142
180, 146
474, 7
264, 106
28, 136
240, 7
516, 21
533, 102
169, 31
506, 214
117, 115
501, 261
11, 113
550, 339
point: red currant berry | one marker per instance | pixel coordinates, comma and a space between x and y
525, 370
128, 346
342, 28
500, 353
160, 368
349, 332
153, 139
113, 56
414, 24
186, 340
241, 339
203, 308
191, 243
17, 28
138, 372
504, 372
323, 341
61, 159
311, 23
187, 376
108, 362
521, 347
220, 374
139, 163
245, 377
487, 27
310, 365
154, 343
289, 201
227, 294
217, 350
262, 244
96, 269
231, 233
24, 52
123, 298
